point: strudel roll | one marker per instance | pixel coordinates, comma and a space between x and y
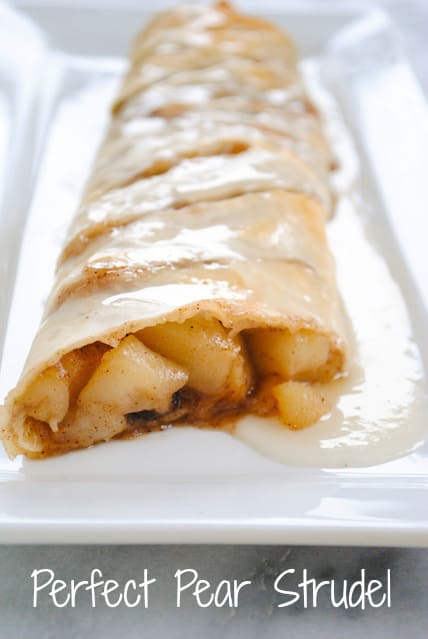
196, 284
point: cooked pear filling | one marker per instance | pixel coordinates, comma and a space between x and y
48, 397
217, 364
192, 372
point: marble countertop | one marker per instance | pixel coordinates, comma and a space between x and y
258, 613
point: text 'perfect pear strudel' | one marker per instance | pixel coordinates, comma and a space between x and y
196, 284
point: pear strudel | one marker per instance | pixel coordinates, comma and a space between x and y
196, 284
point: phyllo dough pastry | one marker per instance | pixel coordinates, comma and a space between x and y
196, 284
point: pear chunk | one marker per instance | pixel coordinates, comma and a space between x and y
300, 405
290, 355
47, 398
131, 378
80, 364
217, 363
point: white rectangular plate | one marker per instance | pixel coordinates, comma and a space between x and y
188, 485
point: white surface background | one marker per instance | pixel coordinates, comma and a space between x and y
257, 615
